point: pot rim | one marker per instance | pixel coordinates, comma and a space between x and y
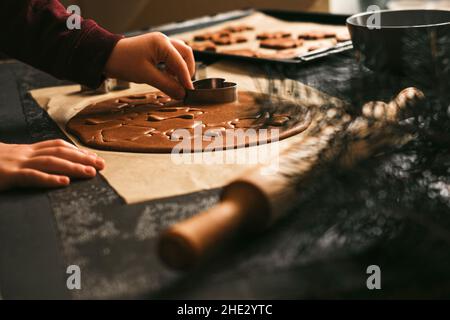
351, 20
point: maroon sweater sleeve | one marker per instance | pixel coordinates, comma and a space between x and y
35, 32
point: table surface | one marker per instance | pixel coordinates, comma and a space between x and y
391, 211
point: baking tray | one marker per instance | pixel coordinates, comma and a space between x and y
173, 29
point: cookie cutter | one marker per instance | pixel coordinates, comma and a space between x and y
211, 91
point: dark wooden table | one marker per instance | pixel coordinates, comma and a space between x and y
391, 211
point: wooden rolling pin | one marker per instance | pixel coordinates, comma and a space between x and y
255, 201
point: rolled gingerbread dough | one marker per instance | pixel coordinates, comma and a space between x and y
154, 123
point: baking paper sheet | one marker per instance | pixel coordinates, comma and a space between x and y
141, 177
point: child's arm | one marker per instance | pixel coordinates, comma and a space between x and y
36, 32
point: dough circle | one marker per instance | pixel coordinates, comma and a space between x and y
154, 123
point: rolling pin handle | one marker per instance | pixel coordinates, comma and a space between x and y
186, 244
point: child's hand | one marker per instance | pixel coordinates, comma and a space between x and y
135, 59
45, 164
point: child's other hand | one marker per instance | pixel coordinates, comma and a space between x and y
135, 59
47, 164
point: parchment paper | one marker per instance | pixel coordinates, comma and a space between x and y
141, 177
265, 23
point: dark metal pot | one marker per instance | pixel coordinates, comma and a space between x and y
407, 42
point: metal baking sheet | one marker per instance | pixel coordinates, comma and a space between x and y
179, 28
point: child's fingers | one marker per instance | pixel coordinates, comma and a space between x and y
53, 143
175, 62
54, 165
186, 53
164, 82
72, 155
59, 143
35, 178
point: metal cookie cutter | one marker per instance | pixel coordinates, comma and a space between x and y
211, 91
